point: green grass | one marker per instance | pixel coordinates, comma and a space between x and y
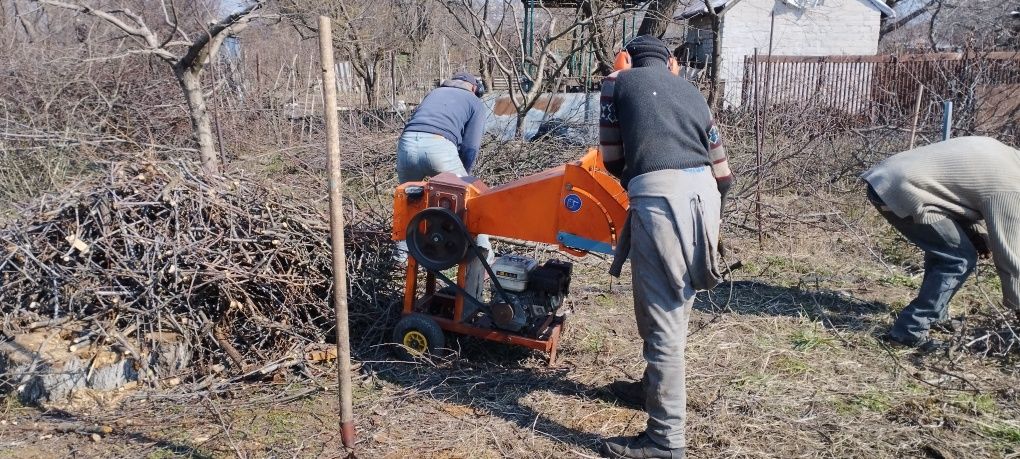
916, 389
875, 402
786, 265
791, 365
167, 453
897, 250
752, 381
604, 301
980, 404
360, 393
990, 280
900, 280
11, 402
751, 267
1006, 433
807, 339
593, 342
161, 454
279, 422
277, 164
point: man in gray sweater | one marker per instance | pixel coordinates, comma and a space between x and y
940, 197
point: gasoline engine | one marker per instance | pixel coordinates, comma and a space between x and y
534, 292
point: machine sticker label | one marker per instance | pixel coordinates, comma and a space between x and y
572, 202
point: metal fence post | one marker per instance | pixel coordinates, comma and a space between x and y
947, 119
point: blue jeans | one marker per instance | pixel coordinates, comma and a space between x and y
949, 258
421, 155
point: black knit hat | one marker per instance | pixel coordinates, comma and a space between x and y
644, 46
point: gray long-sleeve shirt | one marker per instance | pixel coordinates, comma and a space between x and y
968, 179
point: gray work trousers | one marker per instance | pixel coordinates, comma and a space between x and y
665, 233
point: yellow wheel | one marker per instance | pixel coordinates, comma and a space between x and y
415, 342
417, 336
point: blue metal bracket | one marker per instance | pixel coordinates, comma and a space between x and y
577, 242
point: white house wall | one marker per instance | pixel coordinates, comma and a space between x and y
833, 27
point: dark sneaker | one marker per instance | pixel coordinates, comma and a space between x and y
929, 345
639, 447
924, 344
629, 393
948, 326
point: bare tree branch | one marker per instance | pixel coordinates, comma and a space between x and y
187, 68
907, 18
199, 54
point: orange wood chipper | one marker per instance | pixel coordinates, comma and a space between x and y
577, 206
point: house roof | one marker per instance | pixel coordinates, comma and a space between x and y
697, 8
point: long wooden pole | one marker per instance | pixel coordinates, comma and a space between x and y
336, 229
759, 135
917, 112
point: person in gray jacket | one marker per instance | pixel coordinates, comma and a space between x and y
444, 134
953, 200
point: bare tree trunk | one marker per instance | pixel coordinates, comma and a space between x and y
602, 47
713, 69
30, 31
931, 28
657, 18
187, 68
484, 62
371, 81
5, 16
890, 24
191, 84
485, 69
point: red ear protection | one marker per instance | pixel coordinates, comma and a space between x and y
674, 66
622, 61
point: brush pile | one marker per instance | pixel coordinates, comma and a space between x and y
239, 273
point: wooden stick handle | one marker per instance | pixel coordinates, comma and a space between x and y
917, 111
336, 229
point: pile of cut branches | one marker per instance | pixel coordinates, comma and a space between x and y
238, 272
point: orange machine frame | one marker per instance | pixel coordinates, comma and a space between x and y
577, 206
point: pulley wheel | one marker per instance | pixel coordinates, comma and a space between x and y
437, 239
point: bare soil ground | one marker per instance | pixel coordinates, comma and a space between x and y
785, 361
